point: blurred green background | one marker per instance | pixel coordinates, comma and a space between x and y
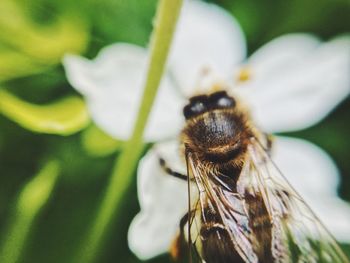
34, 34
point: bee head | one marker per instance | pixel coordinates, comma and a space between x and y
203, 103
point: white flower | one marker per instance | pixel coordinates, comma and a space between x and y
294, 81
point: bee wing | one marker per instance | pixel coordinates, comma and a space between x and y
216, 203
264, 218
298, 235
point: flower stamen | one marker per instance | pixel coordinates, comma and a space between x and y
244, 74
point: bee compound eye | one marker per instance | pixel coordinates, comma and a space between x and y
194, 108
198, 107
225, 102
222, 100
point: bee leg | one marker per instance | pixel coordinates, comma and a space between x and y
169, 171
184, 220
179, 249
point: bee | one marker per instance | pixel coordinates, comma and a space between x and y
241, 208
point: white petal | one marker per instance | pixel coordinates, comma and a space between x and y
281, 54
113, 84
314, 176
79, 73
335, 215
163, 201
298, 92
207, 37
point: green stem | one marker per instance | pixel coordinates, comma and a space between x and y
122, 175
31, 200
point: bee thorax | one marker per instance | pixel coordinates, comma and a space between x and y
216, 136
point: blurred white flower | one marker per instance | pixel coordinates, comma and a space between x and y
289, 84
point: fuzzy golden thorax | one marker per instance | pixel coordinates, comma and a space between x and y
217, 131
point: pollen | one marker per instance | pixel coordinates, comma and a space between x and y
244, 74
217, 86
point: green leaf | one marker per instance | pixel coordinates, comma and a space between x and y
63, 117
97, 143
14, 64
49, 44
29, 47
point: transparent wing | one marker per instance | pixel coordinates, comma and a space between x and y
255, 216
298, 235
219, 229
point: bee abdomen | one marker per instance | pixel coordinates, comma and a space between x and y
261, 226
209, 227
216, 244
